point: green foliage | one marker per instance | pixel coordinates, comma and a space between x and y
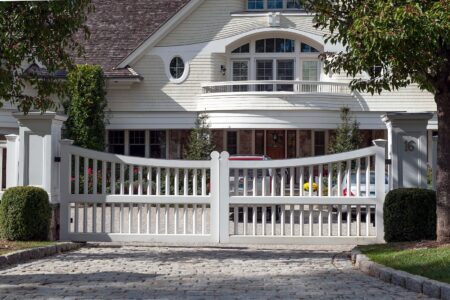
409, 40
200, 140
38, 32
348, 136
410, 215
25, 214
85, 107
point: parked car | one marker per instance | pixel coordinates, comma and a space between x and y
250, 176
362, 189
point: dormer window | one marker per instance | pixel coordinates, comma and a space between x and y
273, 4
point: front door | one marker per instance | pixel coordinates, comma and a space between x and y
276, 144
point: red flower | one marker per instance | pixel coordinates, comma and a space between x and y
90, 171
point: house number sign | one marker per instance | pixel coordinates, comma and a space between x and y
410, 146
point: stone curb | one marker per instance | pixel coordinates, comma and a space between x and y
418, 284
22, 256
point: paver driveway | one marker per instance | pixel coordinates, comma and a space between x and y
196, 273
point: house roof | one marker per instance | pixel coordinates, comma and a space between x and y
118, 27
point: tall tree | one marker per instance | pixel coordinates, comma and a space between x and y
396, 43
348, 136
41, 32
200, 140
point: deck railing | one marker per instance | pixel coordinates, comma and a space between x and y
276, 86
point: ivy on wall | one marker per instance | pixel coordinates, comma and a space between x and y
85, 107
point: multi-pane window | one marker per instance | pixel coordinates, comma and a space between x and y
293, 4
158, 144
242, 49
116, 141
275, 45
240, 73
311, 70
259, 142
291, 144
319, 143
177, 67
137, 143
273, 4
305, 48
285, 71
255, 4
264, 71
232, 144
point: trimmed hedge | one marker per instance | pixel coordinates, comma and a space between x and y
25, 214
410, 215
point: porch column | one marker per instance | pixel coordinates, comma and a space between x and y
407, 148
39, 136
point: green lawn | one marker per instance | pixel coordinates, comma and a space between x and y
433, 262
8, 246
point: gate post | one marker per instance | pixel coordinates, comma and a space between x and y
215, 193
12, 160
40, 134
224, 198
39, 137
380, 192
407, 148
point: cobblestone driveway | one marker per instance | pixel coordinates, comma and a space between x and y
196, 273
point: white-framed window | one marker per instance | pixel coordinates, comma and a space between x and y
232, 142
240, 69
274, 58
177, 69
273, 4
116, 141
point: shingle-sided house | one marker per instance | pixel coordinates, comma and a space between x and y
252, 65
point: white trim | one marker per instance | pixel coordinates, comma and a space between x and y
161, 32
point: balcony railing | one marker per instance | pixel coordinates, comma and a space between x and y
276, 86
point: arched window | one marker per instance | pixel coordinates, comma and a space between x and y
242, 49
305, 48
177, 67
273, 4
275, 46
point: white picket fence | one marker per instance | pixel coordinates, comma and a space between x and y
107, 197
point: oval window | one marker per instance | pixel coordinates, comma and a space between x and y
177, 67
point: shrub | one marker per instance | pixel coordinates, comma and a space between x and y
410, 215
25, 214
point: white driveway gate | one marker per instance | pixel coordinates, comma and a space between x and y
107, 197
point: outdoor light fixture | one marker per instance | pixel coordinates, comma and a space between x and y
275, 137
223, 70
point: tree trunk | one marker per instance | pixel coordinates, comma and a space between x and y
443, 161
